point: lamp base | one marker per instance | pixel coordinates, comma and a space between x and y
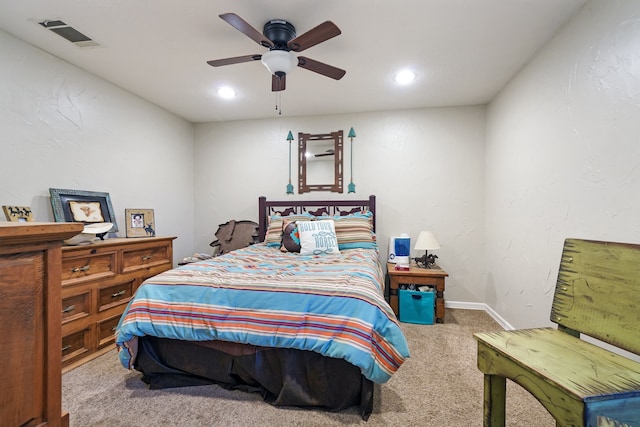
426, 260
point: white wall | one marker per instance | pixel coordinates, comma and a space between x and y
563, 158
426, 168
64, 128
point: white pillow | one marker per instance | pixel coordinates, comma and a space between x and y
317, 237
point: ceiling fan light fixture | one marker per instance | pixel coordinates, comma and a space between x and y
279, 61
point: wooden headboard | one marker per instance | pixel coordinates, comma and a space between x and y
266, 208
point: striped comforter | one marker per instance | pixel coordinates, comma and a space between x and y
330, 304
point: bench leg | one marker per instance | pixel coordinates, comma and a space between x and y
495, 389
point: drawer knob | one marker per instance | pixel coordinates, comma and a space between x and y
66, 347
68, 309
147, 257
118, 294
79, 269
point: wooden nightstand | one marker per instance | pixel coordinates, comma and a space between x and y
417, 276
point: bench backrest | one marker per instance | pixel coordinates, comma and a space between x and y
598, 292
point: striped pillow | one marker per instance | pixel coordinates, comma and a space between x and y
273, 237
354, 230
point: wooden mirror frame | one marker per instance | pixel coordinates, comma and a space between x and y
338, 143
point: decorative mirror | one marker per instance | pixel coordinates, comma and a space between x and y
320, 159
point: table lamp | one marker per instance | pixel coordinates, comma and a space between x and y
426, 242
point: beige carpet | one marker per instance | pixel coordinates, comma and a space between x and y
438, 386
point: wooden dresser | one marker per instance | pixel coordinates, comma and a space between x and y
30, 258
98, 280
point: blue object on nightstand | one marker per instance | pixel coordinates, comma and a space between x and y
416, 306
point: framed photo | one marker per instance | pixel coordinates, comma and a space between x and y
87, 207
18, 213
140, 222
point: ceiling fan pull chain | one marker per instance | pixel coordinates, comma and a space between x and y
279, 103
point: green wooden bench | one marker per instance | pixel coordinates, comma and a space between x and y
579, 383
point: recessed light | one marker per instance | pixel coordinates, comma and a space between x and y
405, 76
226, 92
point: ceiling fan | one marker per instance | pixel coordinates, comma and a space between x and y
280, 37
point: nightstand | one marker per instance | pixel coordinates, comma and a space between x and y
417, 276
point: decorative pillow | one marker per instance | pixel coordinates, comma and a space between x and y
290, 236
354, 230
273, 237
317, 237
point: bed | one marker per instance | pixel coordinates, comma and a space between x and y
301, 326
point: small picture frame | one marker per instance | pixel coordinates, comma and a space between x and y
18, 213
140, 222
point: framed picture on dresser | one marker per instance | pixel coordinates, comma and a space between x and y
88, 207
18, 213
140, 222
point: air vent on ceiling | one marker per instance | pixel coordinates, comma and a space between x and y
68, 32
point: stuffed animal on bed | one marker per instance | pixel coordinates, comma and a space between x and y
235, 235
230, 236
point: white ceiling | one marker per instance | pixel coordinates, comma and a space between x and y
464, 51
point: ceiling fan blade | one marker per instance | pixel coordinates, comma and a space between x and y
245, 28
234, 60
278, 83
321, 68
322, 32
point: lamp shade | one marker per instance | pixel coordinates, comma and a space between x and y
279, 61
426, 241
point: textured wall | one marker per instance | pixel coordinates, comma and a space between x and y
64, 128
563, 158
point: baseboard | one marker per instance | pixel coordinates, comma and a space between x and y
479, 306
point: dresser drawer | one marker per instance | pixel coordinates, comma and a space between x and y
114, 295
75, 345
149, 256
87, 268
76, 307
107, 330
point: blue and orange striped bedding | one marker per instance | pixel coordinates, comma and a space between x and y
330, 304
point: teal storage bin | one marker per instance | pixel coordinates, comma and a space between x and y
416, 306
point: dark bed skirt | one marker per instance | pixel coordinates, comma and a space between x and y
283, 377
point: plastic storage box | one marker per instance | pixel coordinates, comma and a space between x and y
416, 306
